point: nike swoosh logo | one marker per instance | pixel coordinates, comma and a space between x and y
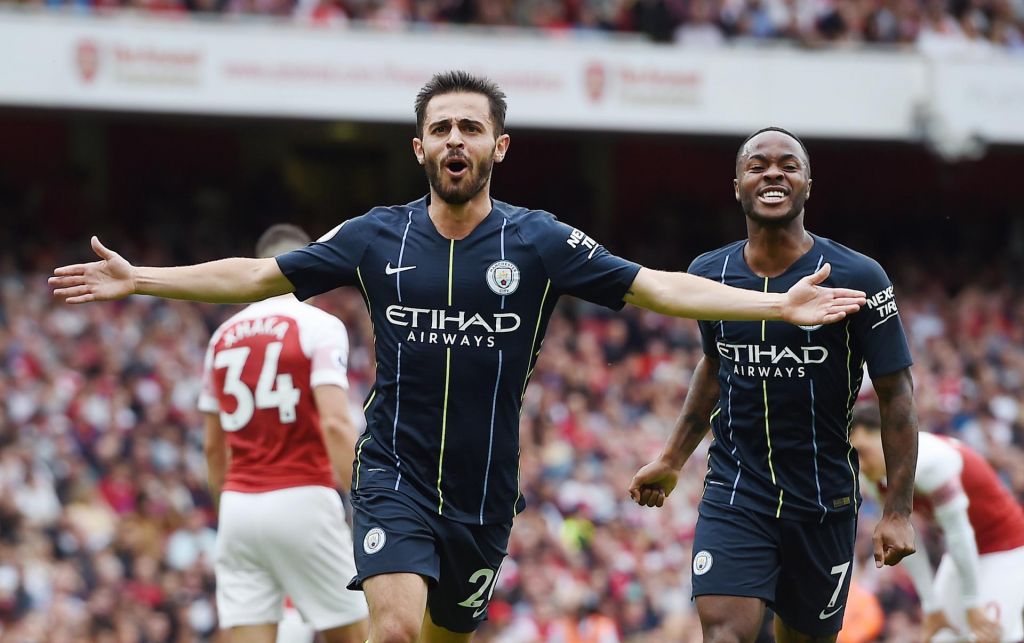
480, 611
822, 616
390, 271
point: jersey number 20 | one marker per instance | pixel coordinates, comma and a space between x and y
272, 390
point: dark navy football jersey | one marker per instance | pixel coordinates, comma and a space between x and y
781, 428
458, 327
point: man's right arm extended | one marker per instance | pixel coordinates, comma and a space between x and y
225, 281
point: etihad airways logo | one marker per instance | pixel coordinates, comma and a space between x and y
768, 360
452, 327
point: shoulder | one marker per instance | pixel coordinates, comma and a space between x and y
938, 461
715, 259
849, 267
526, 221
367, 224
318, 318
541, 229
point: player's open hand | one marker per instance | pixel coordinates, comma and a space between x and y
809, 304
110, 278
653, 483
894, 539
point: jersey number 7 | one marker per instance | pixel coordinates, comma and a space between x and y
272, 390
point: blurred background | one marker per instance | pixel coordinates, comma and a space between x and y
177, 130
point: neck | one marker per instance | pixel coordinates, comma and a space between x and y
771, 250
457, 221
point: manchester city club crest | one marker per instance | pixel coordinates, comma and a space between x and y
702, 562
503, 277
374, 540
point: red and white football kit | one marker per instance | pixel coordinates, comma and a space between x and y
984, 532
282, 526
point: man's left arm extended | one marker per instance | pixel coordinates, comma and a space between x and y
685, 295
894, 535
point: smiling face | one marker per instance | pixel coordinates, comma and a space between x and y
459, 145
772, 179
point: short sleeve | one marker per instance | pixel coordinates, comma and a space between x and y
208, 402
577, 265
331, 261
939, 465
877, 327
330, 355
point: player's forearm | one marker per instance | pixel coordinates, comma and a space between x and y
216, 470
693, 423
340, 441
225, 281
217, 455
962, 548
685, 295
920, 571
899, 439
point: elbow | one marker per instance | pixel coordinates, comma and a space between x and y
267, 278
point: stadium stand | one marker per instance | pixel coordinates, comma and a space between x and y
959, 26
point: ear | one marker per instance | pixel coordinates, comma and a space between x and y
501, 148
736, 188
807, 194
417, 149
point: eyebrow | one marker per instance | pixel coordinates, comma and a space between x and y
461, 121
761, 157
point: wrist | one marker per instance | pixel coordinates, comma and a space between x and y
778, 310
675, 461
134, 280
896, 511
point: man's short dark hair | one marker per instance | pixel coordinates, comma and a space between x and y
280, 238
458, 81
803, 148
868, 417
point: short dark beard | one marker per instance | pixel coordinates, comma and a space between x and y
748, 204
466, 189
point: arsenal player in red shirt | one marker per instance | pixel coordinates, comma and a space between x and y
978, 590
277, 423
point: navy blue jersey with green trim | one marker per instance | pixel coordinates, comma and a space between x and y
458, 326
781, 428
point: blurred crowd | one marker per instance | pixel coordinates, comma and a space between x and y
107, 530
959, 27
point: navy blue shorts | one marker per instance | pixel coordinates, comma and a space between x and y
800, 569
392, 534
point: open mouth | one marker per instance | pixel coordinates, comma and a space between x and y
772, 196
456, 167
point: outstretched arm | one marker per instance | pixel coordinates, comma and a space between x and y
226, 281
894, 535
684, 295
654, 482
